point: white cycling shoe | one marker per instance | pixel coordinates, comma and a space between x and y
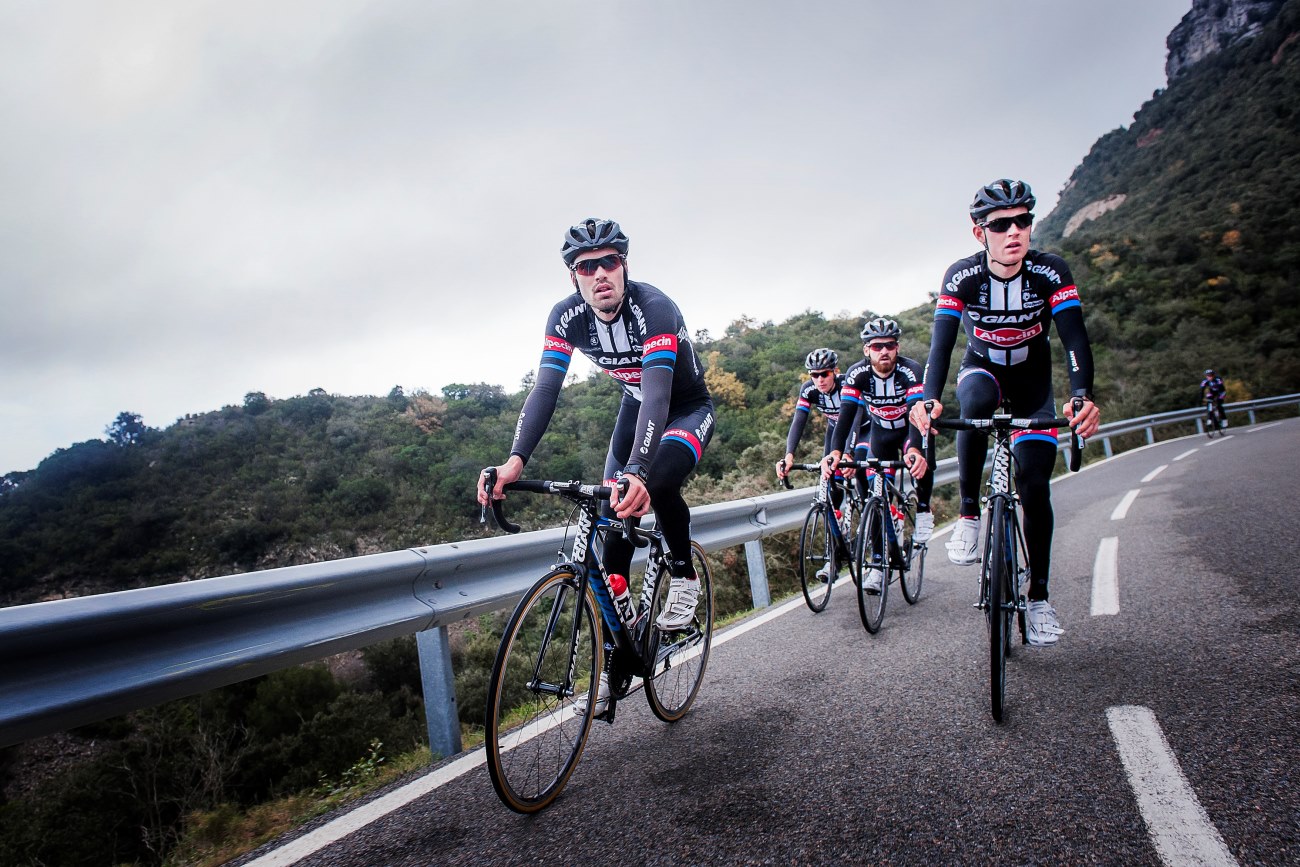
602, 698
924, 528
964, 542
679, 610
1041, 624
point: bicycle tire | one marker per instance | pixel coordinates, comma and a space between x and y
999, 619
913, 557
873, 553
535, 736
814, 554
680, 657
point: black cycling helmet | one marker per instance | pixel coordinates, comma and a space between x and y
821, 359
881, 327
1210, 372
1002, 193
592, 234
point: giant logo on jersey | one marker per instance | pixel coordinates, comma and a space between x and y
1004, 338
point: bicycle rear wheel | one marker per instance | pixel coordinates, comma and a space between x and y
550, 656
913, 557
680, 656
998, 558
873, 557
814, 557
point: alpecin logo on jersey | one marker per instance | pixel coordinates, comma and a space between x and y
630, 375
554, 345
663, 341
1069, 293
948, 302
1008, 337
889, 413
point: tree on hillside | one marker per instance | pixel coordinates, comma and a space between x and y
126, 429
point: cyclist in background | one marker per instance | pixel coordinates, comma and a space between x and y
1212, 388
876, 396
1007, 296
821, 390
636, 334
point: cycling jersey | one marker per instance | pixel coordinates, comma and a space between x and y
1007, 321
810, 397
873, 401
1213, 388
646, 348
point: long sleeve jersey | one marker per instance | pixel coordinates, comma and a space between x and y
647, 348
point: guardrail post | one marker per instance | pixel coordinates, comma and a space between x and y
1200, 426
757, 573
1151, 435
1251, 413
439, 683
1105, 444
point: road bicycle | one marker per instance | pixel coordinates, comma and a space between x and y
1004, 565
885, 544
824, 541
569, 627
1215, 420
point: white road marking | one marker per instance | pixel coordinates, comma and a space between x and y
1157, 471
1220, 439
1178, 824
1122, 509
1185, 454
1105, 577
1264, 427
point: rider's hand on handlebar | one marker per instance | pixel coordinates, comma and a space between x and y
508, 472
916, 463
1086, 421
783, 466
829, 463
920, 418
634, 502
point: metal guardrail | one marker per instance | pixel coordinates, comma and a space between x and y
75, 661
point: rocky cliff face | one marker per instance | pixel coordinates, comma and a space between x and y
1213, 25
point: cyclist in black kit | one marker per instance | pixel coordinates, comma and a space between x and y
1212, 388
877, 393
636, 334
1007, 296
821, 391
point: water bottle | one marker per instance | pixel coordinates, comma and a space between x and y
622, 596
898, 522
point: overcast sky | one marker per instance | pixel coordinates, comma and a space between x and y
203, 199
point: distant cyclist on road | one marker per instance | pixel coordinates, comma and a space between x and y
876, 397
1213, 389
1007, 297
636, 334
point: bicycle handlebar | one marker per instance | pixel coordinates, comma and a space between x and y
1004, 422
816, 468
574, 490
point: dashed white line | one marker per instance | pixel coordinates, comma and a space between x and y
1186, 454
1220, 439
1157, 471
1179, 826
1105, 578
1122, 509
1264, 427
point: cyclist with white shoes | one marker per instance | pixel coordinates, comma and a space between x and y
821, 391
636, 334
1007, 296
876, 396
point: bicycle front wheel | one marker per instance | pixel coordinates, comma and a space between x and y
913, 557
680, 656
998, 558
542, 691
816, 569
874, 568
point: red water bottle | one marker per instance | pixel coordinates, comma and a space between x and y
622, 596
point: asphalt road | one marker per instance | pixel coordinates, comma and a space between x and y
813, 742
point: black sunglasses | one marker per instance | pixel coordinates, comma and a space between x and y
1004, 224
587, 267
818, 374
881, 347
